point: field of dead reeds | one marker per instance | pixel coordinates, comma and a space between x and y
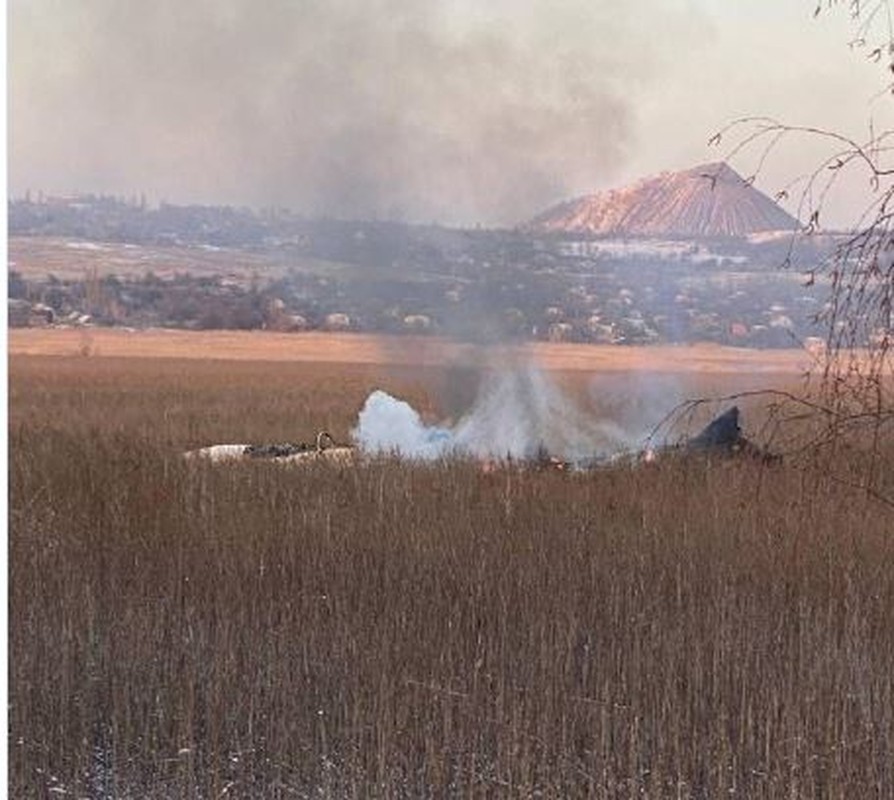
691, 630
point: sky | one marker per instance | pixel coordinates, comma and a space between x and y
449, 111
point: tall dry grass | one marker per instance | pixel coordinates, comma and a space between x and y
694, 630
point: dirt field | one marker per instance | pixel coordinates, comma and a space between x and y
364, 349
36, 257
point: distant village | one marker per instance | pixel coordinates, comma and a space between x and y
106, 261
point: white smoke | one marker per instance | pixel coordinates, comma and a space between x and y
389, 425
522, 411
518, 413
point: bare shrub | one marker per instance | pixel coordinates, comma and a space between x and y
851, 381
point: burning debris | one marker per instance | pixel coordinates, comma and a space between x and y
722, 436
519, 421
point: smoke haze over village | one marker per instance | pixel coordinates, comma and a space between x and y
435, 111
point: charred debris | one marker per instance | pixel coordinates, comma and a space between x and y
720, 438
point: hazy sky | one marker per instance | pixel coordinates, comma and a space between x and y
430, 110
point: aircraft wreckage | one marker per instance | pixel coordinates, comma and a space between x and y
325, 450
722, 436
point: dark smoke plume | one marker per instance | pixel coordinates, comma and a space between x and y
420, 111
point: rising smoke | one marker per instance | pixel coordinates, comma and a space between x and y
444, 110
422, 111
519, 412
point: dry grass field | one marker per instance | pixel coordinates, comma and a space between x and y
707, 359
691, 630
